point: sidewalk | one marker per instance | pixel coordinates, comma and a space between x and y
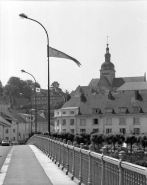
30, 166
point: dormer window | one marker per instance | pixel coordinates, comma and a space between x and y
122, 110
109, 110
136, 109
96, 111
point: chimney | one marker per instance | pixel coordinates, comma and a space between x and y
136, 95
83, 98
110, 97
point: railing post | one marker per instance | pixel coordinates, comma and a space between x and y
80, 166
122, 155
73, 160
91, 148
67, 165
59, 162
64, 142
55, 150
104, 151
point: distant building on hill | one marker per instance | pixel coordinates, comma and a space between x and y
107, 105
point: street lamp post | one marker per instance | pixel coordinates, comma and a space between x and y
26, 17
23, 71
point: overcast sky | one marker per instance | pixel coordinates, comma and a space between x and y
79, 29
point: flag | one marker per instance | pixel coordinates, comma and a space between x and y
37, 89
55, 53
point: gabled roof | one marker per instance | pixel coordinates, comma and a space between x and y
117, 82
104, 82
102, 102
82, 90
94, 82
131, 86
12, 115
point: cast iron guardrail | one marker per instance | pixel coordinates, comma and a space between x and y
88, 167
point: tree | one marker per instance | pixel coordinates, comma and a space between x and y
67, 95
55, 87
27, 92
144, 142
1, 88
131, 139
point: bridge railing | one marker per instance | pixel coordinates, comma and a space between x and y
88, 167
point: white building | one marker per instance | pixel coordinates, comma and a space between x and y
112, 113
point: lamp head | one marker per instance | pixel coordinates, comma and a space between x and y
23, 71
22, 15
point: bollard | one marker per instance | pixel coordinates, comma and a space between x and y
122, 155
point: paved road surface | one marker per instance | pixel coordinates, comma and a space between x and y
4, 150
27, 165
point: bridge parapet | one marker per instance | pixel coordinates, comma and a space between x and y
88, 167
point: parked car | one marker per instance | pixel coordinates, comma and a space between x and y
5, 143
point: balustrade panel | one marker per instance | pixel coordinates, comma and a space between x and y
70, 160
85, 165
111, 174
77, 163
133, 178
96, 171
65, 156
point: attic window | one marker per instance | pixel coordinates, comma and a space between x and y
136, 109
109, 110
122, 109
96, 111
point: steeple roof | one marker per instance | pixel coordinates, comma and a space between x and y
107, 65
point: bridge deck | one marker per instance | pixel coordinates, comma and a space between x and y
26, 164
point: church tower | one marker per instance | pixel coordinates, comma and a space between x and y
107, 68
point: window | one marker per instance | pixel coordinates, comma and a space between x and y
7, 131
82, 122
122, 109
64, 130
13, 138
96, 111
13, 130
57, 122
122, 130
72, 131
122, 121
136, 109
71, 121
72, 112
108, 121
136, 130
63, 112
7, 138
95, 121
108, 130
109, 110
83, 130
136, 120
95, 130
64, 122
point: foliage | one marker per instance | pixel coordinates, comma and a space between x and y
143, 141
27, 91
79, 139
131, 139
97, 138
1, 88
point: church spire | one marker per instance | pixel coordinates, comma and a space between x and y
107, 55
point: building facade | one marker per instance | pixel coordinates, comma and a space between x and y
100, 108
